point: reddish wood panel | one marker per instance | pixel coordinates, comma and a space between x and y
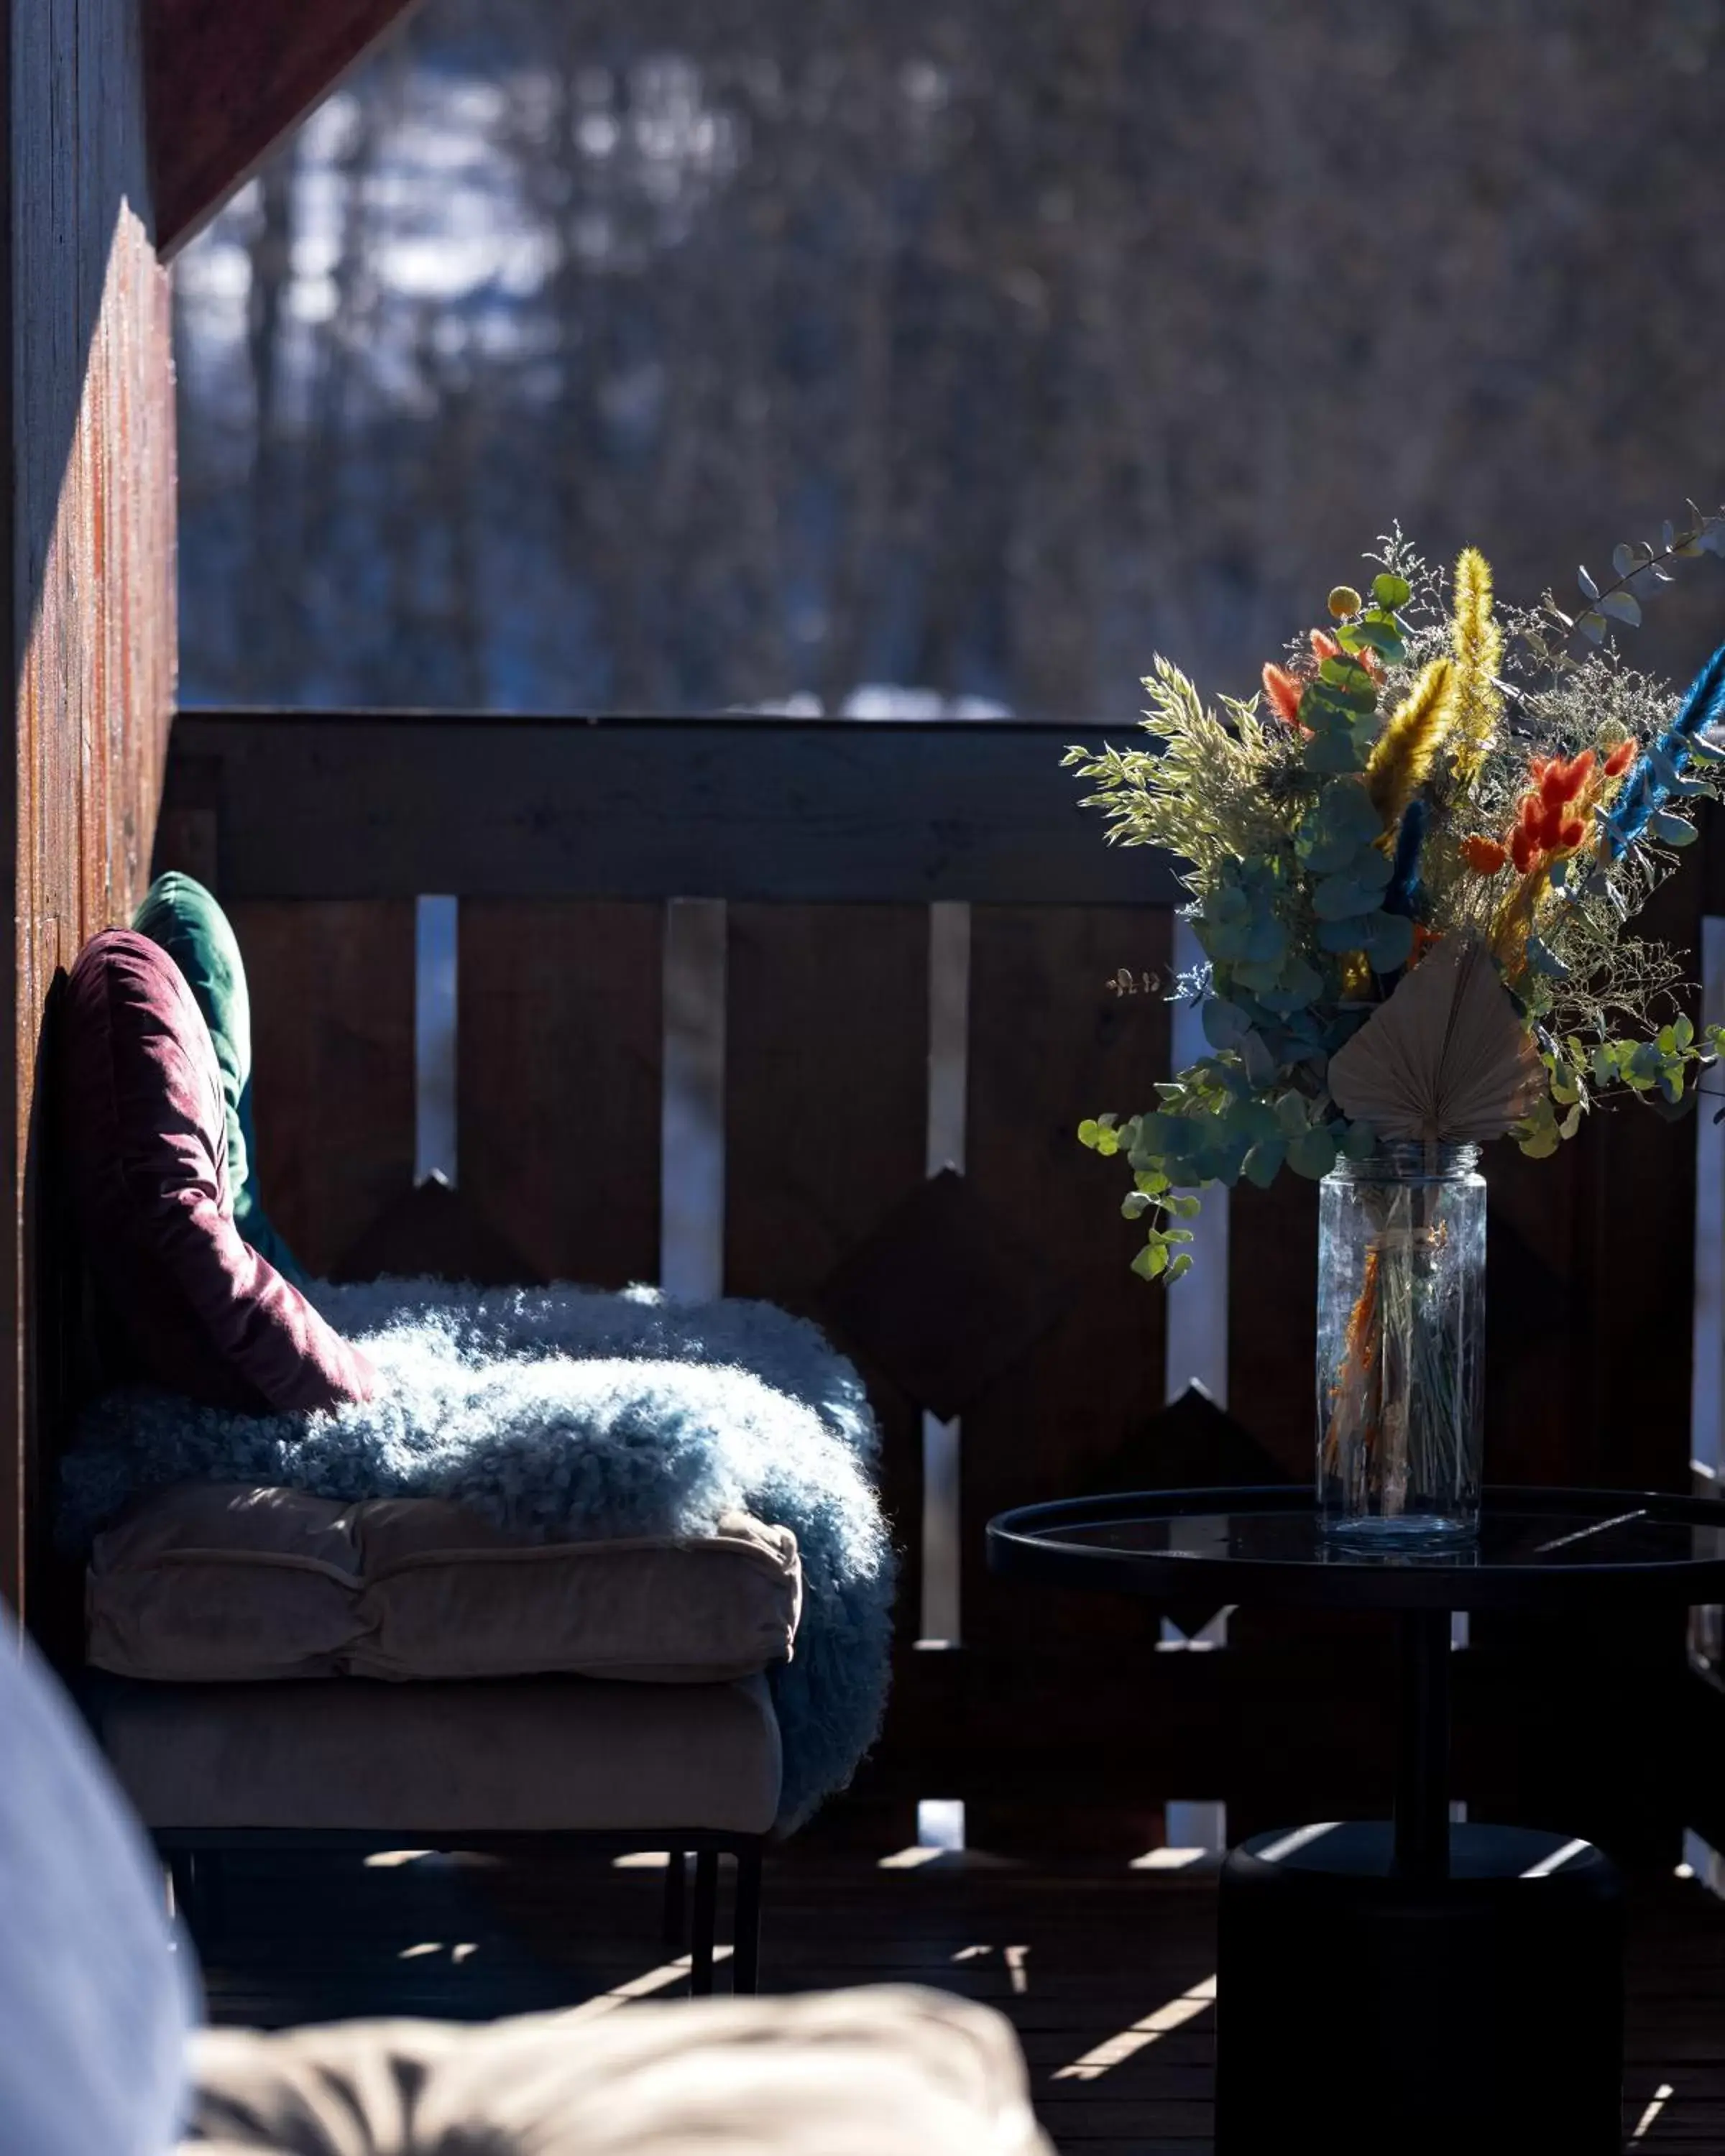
333, 1059
558, 1081
88, 592
826, 1126
226, 82
1050, 1043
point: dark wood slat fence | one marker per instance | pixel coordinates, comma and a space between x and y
1004, 1292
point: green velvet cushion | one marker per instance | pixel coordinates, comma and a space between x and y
180, 916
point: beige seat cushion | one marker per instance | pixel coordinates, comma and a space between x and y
514, 1755
206, 1582
881, 2072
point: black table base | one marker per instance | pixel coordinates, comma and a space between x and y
1469, 2009
1405, 1989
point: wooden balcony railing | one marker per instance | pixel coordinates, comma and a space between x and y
830, 855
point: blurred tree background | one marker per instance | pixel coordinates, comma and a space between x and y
645, 355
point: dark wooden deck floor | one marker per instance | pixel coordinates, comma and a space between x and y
1103, 1969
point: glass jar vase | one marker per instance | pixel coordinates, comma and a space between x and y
1401, 1321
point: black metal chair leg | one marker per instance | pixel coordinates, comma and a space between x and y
676, 1897
746, 1928
707, 1913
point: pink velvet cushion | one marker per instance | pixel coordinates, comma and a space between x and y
145, 1138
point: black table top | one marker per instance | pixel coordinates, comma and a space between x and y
1537, 1549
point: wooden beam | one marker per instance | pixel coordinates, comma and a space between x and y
87, 622
226, 80
336, 805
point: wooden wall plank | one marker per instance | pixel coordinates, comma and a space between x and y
86, 401
561, 1033
826, 1127
1051, 1042
332, 1054
1272, 1317
380, 805
226, 83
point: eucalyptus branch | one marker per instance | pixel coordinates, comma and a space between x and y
1641, 569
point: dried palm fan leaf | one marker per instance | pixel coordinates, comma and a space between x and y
1445, 1060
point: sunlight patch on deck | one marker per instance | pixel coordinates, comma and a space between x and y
1016, 1958
1661, 2096
1557, 1859
1301, 1838
915, 1858
1117, 2050
639, 1987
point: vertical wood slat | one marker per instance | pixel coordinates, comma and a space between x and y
1050, 1043
332, 1048
826, 1115
559, 1070
87, 615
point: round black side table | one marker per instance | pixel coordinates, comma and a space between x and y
1397, 1986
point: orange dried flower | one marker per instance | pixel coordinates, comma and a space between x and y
1284, 693
1620, 758
1484, 856
1523, 848
1572, 834
1576, 772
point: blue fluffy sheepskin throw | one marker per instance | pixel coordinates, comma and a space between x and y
557, 1413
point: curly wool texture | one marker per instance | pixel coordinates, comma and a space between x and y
559, 1414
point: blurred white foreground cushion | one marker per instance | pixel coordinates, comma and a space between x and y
95, 2002
886, 2070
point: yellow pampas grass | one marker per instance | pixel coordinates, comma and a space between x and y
1478, 643
1402, 759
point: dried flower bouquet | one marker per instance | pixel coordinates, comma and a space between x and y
1414, 860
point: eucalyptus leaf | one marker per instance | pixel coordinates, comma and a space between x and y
1290, 1115
1674, 830
1313, 1152
1345, 935
1592, 627
1225, 1025
1622, 606
1390, 942
1259, 1063
1589, 589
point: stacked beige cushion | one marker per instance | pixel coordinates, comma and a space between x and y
888, 2072
517, 1755
213, 1583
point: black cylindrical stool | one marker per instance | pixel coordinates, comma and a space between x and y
1360, 2012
